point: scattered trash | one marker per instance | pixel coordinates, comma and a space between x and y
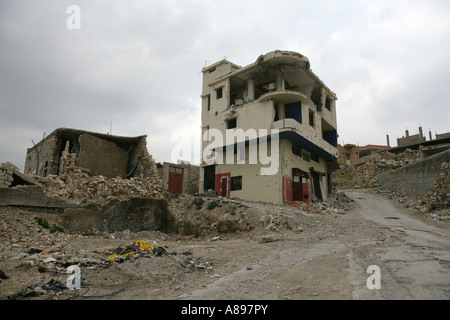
38, 288
337, 204
139, 248
272, 224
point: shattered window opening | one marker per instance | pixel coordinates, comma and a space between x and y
219, 93
328, 103
311, 118
231, 123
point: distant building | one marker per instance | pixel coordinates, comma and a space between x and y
179, 178
411, 140
350, 154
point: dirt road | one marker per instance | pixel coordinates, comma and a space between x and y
316, 256
413, 257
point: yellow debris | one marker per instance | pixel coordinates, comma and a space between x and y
144, 245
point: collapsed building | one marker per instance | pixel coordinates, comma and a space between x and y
86, 180
278, 93
96, 153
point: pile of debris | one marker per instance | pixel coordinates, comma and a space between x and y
438, 198
79, 187
199, 216
435, 204
364, 174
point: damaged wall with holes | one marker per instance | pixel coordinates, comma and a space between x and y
95, 153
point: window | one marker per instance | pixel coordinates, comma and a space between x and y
45, 173
231, 123
212, 69
277, 116
306, 157
236, 183
311, 118
297, 151
209, 101
328, 103
219, 93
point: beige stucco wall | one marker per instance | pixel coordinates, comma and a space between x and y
289, 161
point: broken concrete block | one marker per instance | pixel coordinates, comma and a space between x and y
268, 238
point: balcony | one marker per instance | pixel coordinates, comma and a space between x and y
306, 137
286, 96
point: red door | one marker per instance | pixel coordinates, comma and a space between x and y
297, 191
305, 192
175, 180
224, 187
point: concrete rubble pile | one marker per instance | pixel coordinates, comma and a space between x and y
79, 187
338, 203
439, 197
200, 216
364, 174
436, 203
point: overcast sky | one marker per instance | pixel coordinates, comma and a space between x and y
137, 64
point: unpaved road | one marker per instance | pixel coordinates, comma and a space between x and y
326, 258
413, 257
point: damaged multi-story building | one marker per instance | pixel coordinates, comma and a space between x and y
96, 153
278, 95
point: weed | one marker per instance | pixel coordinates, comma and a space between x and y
198, 202
213, 205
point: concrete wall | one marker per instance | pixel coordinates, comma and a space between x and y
415, 179
102, 157
43, 160
135, 214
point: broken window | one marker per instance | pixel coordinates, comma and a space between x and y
297, 151
306, 157
311, 118
219, 93
314, 158
231, 123
277, 116
238, 91
45, 171
328, 103
236, 183
316, 97
212, 69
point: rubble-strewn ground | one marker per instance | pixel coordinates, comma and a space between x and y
364, 175
282, 252
207, 240
35, 254
80, 187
